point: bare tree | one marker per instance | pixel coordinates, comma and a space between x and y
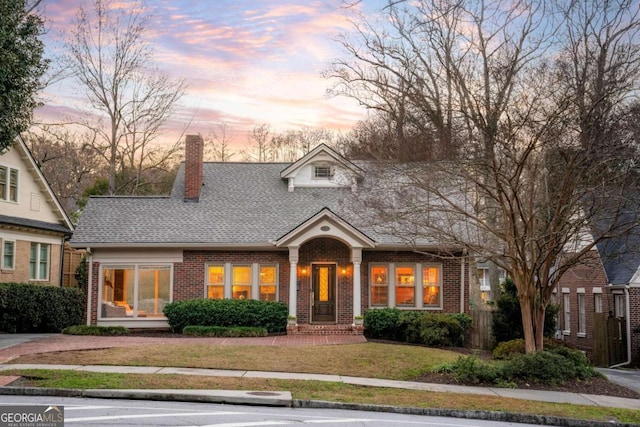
218, 142
258, 144
109, 57
521, 191
67, 160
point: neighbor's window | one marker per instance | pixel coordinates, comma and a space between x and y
322, 172
135, 291
241, 286
566, 302
618, 302
8, 184
8, 255
39, 261
379, 283
431, 286
267, 283
405, 286
215, 284
582, 315
597, 303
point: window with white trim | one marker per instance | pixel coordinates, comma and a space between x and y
322, 172
405, 285
379, 285
8, 255
135, 291
597, 303
39, 261
582, 316
566, 304
431, 286
619, 305
8, 184
242, 281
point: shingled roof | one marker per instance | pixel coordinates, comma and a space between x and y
241, 204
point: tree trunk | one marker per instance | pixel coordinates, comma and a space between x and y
526, 310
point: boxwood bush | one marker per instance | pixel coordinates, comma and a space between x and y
226, 312
39, 308
433, 329
223, 331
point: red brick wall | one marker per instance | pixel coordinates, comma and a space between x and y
189, 275
193, 167
587, 276
95, 297
450, 276
634, 305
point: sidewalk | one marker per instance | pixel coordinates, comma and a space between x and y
536, 395
12, 346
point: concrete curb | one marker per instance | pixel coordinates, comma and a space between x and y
284, 399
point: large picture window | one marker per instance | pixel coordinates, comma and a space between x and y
135, 291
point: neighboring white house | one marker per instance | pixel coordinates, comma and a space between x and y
33, 224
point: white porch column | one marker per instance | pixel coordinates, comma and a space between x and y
356, 257
293, 280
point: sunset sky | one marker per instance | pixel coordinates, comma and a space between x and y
246, 62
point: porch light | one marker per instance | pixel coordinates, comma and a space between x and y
344, 270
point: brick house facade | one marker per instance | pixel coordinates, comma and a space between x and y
277, 232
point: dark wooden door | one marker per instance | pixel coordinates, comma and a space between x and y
324, 293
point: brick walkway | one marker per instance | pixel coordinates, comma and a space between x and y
75, 342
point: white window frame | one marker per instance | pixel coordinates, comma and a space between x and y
227, 280
136, 267
415, 283
619, 305
566, 309
418, 286
327, 175
38, 261
597, 300
9, 183
582, 314
13, 254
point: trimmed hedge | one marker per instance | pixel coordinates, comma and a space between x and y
222, 331
96, 330
417, 327
226, 312
39, 308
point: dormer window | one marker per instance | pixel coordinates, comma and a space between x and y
323, 172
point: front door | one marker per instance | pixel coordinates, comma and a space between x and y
324, 293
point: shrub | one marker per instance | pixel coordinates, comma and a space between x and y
472, 370
38, 308
205, 312
508, 349
383, 323
433, 329
95, 330
221, 331
549, 366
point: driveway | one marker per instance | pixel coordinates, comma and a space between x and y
9, 340
629, 378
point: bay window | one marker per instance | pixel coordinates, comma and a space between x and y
431, 286
267, 283
215, 285
241, 285
405, 285
242, 281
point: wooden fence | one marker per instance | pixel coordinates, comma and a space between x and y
481, 336
609, 340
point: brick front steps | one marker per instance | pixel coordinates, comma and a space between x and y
324, 330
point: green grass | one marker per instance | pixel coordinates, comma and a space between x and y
314, 390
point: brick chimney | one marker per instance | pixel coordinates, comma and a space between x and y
193, 168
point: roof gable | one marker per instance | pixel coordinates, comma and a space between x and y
37, 202
336, 171
326, 224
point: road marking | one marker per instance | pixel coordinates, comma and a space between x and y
253, 424
125, 417
338, 420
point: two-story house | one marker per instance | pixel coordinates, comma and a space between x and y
33, 224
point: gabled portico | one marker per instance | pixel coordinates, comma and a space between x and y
325, 224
